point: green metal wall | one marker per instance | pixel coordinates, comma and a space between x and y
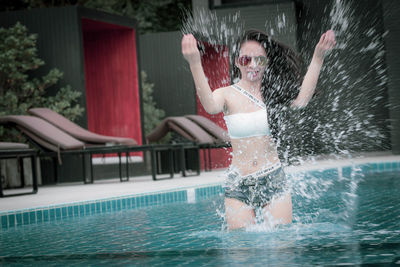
278, 20
161, 58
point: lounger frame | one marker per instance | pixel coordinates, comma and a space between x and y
20, 154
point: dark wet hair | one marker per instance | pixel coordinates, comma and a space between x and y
281, 80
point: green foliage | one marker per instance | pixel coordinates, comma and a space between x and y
152, 115
152, 16
18, 91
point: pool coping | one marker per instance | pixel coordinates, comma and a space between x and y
188, 194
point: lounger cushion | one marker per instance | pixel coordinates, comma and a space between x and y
209, 126
76, 131
43, 132
182, 126
11, 145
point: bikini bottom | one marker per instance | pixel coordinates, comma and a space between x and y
256, 189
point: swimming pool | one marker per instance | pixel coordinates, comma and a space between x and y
342, 216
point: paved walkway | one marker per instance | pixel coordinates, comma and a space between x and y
78, 192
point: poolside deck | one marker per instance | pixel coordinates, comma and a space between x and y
102, 189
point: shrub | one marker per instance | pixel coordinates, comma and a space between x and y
152, 115
19, 90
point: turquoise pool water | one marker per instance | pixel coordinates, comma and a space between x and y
337, 222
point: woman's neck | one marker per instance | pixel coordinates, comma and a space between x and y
251, 86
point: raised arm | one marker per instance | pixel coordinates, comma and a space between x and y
213, 102
326, 43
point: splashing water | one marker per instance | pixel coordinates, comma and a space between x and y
345, 115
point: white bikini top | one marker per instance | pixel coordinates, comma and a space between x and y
249, 124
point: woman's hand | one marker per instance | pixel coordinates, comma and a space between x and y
325, 44
189, 49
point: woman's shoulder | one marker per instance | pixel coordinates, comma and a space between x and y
224, 90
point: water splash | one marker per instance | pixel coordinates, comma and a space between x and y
346, 114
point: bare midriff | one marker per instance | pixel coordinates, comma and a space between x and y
252, 154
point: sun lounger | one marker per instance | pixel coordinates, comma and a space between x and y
220, 136
19, 151
77, 131
196, 129
53, 142
93, 138
182, 126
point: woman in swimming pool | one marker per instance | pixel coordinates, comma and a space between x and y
268, 72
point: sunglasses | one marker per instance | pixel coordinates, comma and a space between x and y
259, 60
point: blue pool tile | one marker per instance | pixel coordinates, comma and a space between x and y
374, 167
70, 211
103, 206
58, 213
81, 210
92, 208
19, 218
381, 167
39, 216
108, 205
393, 166
147, 200
32, 217
123, 203
134, 204
366, 168
11, 220
98, 207
113, 205
52, 214
45, 215
76, 210
87, 209
119, 205
388, 166
155, 200
25, 218
329, 173
64, 212
4, 221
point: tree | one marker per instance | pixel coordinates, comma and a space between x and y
18, 90
152, 16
